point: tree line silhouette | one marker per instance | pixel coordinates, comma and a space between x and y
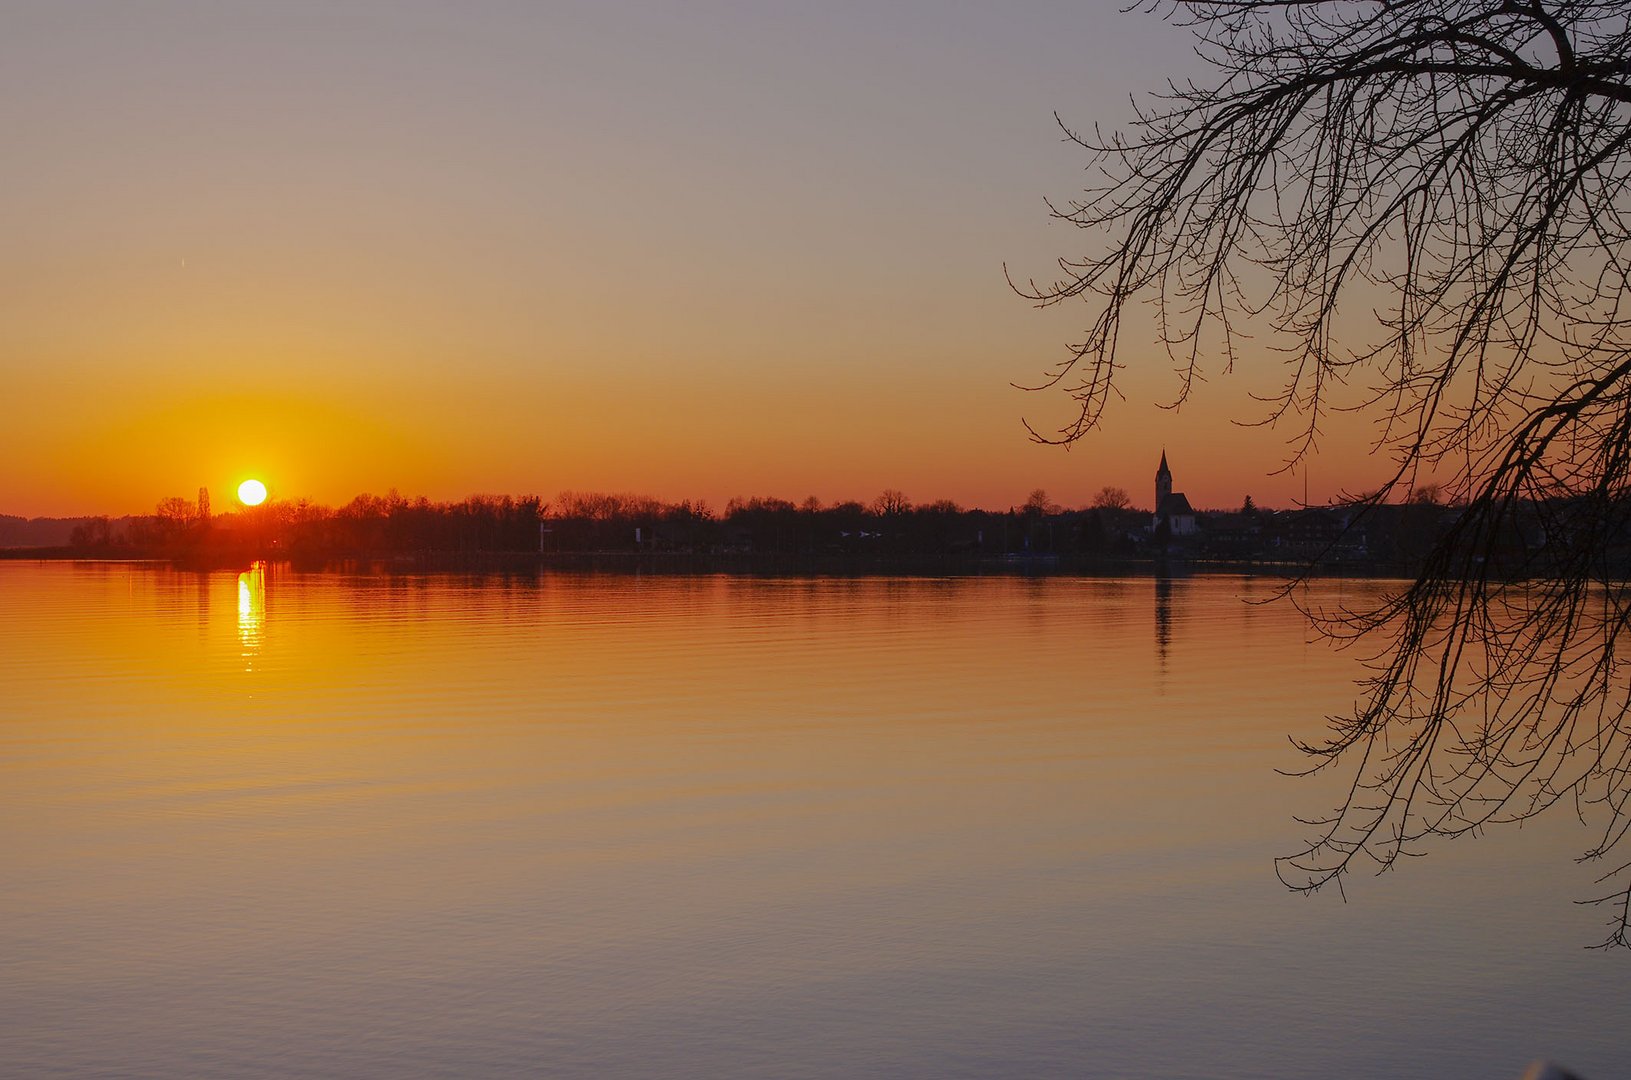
584, 521
1362, 537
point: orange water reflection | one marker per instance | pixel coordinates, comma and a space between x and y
718, 826
252, 608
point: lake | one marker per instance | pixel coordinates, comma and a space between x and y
323, 824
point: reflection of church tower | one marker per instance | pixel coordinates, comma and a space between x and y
1163, 484
1163, 623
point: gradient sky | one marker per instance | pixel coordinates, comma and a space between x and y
694, 250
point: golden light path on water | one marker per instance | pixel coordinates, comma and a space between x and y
251, 609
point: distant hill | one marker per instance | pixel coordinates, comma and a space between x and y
21, 532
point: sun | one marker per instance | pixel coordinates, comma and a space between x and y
251, 492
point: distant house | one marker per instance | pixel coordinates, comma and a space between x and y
1173, 514
1232, 534
1324, 533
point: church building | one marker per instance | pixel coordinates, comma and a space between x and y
1173, 514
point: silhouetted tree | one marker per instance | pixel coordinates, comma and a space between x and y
769, 524
97, 532
1038, 504
891, 501
1461, 167
1112, 498
175, 511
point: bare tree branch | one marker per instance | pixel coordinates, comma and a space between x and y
1421, 207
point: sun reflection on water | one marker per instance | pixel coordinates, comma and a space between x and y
252, 608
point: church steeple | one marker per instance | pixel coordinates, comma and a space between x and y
1163, 482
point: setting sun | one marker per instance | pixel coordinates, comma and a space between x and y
251, 492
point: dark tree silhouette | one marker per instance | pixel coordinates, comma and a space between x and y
1422, 207
1111, 497
891, 502
1039, 504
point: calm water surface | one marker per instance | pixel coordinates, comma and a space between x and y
589, 826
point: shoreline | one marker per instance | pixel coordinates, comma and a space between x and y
745, 564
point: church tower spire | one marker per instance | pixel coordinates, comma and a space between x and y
1163, 482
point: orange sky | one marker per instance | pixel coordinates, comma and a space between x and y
721, 251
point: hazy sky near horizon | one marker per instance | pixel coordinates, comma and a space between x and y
693, 250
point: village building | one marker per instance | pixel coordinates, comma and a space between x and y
1173, 514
